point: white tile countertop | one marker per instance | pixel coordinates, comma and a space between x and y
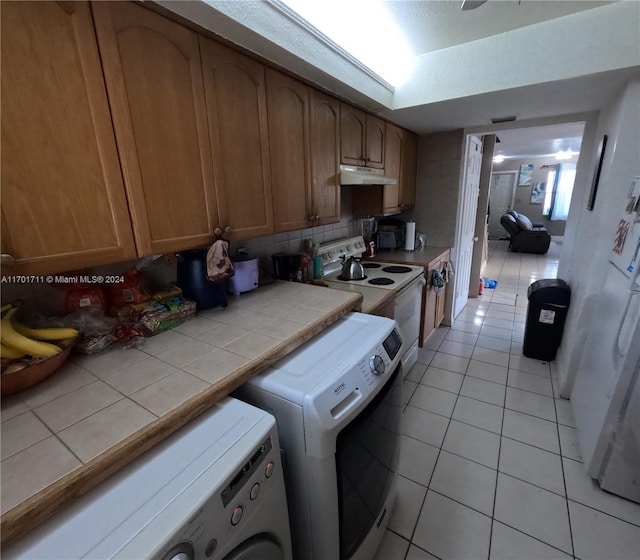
97, 413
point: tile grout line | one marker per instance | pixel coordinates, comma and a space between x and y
564, 481
495, 492
435, 465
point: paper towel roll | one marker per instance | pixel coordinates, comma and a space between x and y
410, 236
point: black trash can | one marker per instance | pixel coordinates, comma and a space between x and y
548, 306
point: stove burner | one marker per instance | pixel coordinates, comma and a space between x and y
396, 269
343, 279
381, 281
371, 265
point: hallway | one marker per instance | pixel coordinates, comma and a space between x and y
490, 465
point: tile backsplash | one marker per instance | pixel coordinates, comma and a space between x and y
50, 300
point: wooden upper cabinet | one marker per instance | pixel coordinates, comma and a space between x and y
154, 79
325, 157
288, 113
353, 123
409, 171
394, 148
362, 138
374, 142
63, 201
237, 112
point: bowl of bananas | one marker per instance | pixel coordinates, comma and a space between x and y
29, 355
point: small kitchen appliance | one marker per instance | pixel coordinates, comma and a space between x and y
391, 233
287, 266
246, 274
192, 280
368, 227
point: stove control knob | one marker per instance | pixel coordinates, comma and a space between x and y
376, 363
349, 248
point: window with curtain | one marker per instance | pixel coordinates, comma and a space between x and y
558, 197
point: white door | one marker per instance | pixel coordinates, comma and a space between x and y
500, 200
467, 208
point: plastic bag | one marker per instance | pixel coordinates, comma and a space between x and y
128, 291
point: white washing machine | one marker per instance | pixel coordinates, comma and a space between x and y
212, 491
338, 403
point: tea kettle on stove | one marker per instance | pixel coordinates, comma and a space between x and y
352, 269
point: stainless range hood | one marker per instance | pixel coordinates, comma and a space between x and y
352, 175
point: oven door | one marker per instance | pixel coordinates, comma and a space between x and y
366, 463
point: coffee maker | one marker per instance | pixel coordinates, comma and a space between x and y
368, 228
287, 266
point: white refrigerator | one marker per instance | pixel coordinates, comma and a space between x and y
606, 395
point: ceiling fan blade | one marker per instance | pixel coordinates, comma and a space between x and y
472, 4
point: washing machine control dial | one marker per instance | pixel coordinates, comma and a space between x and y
376, 363
181, 551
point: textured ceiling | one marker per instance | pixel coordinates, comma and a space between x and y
539, 141
431, 25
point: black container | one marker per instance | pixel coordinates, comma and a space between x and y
546, 314
192, 280
286, 266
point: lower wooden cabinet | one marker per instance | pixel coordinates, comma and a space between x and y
433, 304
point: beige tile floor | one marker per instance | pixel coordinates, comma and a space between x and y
490, 465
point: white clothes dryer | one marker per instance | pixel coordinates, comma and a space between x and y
214, 490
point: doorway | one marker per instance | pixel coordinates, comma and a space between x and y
501, 193
470, 189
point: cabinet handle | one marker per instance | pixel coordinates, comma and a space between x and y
312, 218
316, 217
227, 229
7, 260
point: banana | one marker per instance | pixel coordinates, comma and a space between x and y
45, 334
10, 353
10, 337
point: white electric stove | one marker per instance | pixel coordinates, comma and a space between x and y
406, 281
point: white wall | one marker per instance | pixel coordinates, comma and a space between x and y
589, 235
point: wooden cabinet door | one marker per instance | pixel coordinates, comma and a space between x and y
154, 78
353, 124
394, 150
63, 201
325, 157
374, 150
441, 297
288, 113
409, 171
237, 111
429, 304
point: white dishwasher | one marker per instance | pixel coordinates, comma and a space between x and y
213, 490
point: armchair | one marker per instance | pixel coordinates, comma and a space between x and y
525, 236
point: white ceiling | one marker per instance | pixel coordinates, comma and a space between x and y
436, 27
539, 141
431, 25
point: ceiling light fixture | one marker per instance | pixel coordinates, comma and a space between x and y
568, 154
498, 159
471, 4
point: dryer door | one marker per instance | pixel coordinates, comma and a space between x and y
260, 546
